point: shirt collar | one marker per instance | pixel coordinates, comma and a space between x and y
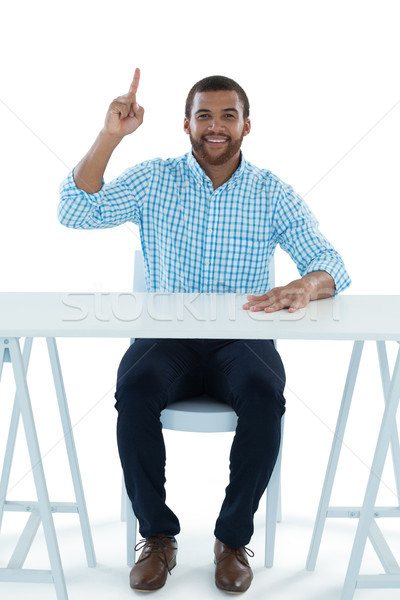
200, 175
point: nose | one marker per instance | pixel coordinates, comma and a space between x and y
216, 124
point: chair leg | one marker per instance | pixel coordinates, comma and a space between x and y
279, 507
131, 525
124, 501
274, 509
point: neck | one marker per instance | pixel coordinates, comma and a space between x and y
219, 174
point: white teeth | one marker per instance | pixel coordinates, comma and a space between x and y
216, 141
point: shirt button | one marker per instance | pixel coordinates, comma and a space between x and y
209, 230
207, 262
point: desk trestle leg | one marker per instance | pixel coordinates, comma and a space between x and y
394, 440
335, 454
10, 574
12, 432
71, 451
367, 526
9, 350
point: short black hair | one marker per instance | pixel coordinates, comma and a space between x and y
215, 83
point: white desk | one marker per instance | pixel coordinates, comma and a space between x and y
194, 315
357, 318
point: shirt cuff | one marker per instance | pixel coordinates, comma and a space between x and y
75, 208
337, 272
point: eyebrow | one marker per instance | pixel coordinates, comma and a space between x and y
223, 110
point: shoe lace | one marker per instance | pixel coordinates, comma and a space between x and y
154, 544
238, 552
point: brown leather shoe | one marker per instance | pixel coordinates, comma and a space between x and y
232, 572
153, 565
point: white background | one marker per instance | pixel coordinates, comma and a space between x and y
322, 78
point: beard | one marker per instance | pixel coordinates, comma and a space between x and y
200, 149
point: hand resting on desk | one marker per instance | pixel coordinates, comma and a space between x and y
296, 294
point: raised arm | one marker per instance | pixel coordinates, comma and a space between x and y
123, 117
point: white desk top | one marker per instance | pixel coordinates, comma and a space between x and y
102, 314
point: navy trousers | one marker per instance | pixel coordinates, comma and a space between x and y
246, 374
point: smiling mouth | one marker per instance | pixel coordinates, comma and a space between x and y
216, 141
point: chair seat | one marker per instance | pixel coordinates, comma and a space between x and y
199, 414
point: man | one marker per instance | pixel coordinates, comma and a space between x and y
209, 222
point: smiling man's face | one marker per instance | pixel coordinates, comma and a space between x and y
216, 126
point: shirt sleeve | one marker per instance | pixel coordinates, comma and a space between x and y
296, 229
117, 202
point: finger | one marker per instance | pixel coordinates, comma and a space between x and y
257, 304
135, 110
294, 306
132, 108
274, 307
120, 108
264, 302
139, 112
286, 302
257, 307
252, 303
297, 304
253, 300
256, 297
135, 83
125, 99
278, 304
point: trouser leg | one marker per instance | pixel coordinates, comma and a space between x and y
250, 376
152, 373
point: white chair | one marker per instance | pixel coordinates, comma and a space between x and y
204, 414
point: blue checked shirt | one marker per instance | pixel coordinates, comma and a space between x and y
197, 239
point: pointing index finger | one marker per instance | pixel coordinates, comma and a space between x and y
135, 82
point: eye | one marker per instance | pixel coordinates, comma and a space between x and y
204, 115
229, 116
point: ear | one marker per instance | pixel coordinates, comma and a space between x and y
186, 125
247, 127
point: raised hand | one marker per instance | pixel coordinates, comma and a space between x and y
125, 115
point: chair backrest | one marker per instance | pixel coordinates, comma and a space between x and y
200, 414
139, 282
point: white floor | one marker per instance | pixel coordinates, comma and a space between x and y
193, 576
197, 474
